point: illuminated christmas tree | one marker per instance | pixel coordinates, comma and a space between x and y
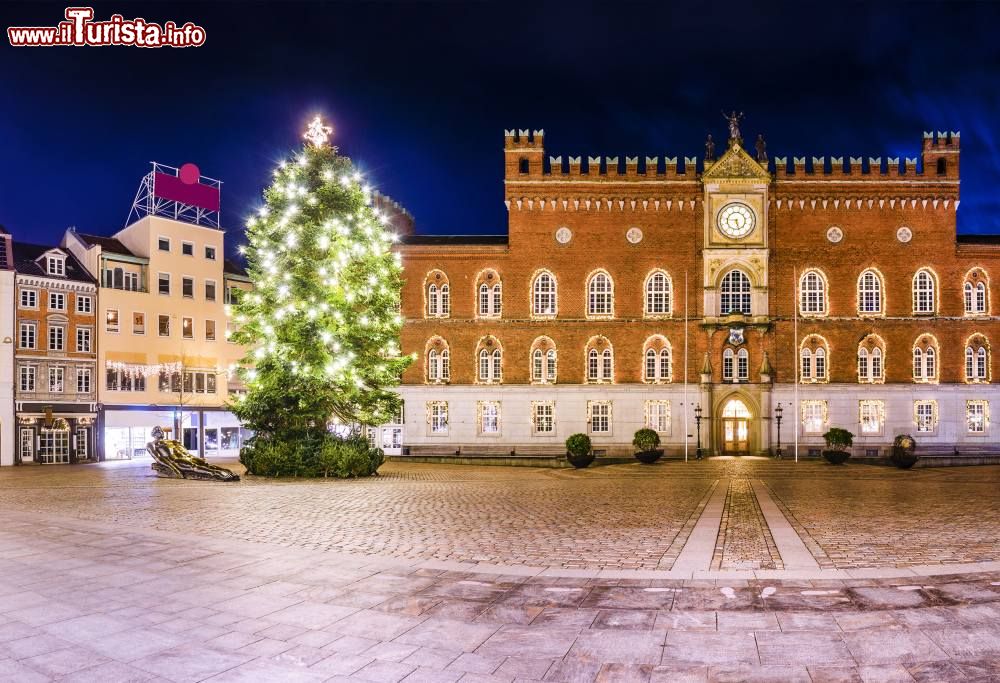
322, 321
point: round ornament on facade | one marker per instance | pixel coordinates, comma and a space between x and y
736, 220
564, 235
634, 235
904, 234
835, 234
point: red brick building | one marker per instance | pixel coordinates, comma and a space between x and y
631, 294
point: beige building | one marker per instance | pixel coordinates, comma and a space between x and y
161, 335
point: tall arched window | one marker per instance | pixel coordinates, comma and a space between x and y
658, 294
728, 365
543, 295
657, 366
600, 295
490, 357
870, 293
734, 293
600, 361
543, 361
925, 359
743, 365
923, 292
438, 295
438, 361
813, 359
812, 293
871, 366
976, 290
488, 298
977, 359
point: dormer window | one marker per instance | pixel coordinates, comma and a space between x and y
55, 265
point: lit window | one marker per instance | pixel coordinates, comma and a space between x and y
923, 292
658, 294
600, 295
438, 298
438, 364
819, 359
870, 366
489, 417
977, 416
728, 358
806, 357
438, 416
209, 330
543, 295
111, 320
163, 324
187, 328
600, 363
812, 293
871, 415
543, 361
869, 293
138, 323
743, 365
814, 417
490, 365
658, 416
924, 361
734, 293
543, 417
925, 416
976, 361
600, 416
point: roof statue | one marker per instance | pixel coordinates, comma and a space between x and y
734, 126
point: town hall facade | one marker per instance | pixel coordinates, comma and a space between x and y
735, 290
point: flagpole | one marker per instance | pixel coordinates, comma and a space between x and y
795, 354
686, 406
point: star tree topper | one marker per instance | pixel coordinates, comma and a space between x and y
317, 133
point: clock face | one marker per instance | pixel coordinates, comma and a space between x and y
736, 220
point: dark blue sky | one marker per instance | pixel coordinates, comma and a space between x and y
420, 95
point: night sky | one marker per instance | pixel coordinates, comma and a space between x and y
420, 95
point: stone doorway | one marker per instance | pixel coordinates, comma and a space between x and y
736, 420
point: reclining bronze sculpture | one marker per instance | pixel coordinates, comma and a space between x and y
170, 459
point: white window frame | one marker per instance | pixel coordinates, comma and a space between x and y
544, 295
814, 416
31, 294
160, 239
488, 418
57, 379
437, 418
55, 265
600, 295
84, 380
57, 333
194, 284
185, 243
28, 378
57, 301
981, 409
869, 410
735, 293
84, 304
599, 418
209, 249
27, 335
925, 416
812, 294
160, 278
657, 416
871, 294
188, 323
743, 365
86, 335
658, 299
543, 418
924, 292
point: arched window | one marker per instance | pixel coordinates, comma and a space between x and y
812, 293
819, 358
923, 292
543, 361
658, 294
925, 359
977, 359
657, 366
743, 365
806, 358
734, 293
871, 352
600, 361
438, 361
869, 293
976, 291
600, 295
543, 295
812, 359
438, 295
728, 365
490, 357
488, 302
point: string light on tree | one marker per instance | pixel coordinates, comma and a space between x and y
322, 321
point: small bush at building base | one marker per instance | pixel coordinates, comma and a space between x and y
313, 453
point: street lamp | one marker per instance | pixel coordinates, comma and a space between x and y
697, 422
777, 416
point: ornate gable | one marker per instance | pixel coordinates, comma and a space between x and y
736, 164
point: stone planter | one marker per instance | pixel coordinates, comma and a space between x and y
649, 457
836, 457
580, 461
903, 458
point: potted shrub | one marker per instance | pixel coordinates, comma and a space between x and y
578, 450
904, 452
837, 442
647, 440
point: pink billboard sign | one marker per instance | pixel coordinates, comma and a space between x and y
186, 189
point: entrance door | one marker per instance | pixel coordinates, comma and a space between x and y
736, 428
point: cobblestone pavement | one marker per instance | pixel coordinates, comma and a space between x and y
618, 517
